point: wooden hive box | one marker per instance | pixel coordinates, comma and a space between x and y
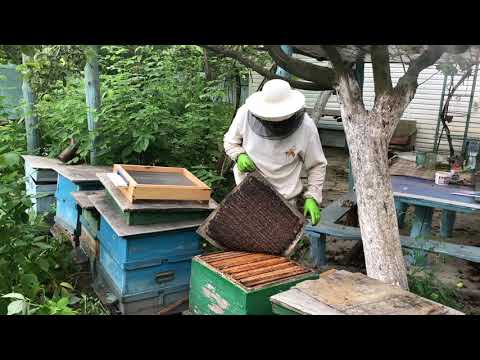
160, 183
254, 217
41, 169
345, 293
154, 212
90, 223
167, 301
143, 258
71, 179
241, 283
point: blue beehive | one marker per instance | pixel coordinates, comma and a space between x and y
140, 260
70, 179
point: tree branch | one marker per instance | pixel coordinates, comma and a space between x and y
381, 70
320, 75
260, 69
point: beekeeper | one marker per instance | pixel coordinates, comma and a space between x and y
272, 132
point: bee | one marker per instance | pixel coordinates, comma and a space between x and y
291, 152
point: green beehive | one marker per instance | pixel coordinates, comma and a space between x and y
241, 283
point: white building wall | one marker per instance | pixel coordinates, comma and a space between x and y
424, 108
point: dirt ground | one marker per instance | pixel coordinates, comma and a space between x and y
463, 275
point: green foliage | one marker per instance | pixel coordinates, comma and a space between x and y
424, 282
157, 108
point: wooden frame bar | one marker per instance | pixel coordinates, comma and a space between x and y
135, 191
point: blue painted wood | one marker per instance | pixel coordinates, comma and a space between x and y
143, 303
92, 92
317, 248
448, 221
67, 210
287, 49
139, 277
401, 208
148, 247
422, 222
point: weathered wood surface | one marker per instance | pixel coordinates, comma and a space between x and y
41, 162
302, 304
438, 196
476, 182
126, 206
357, 294
81, 173
81, 197
107, 211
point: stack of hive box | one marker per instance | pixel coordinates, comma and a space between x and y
72, 180
41, 182
145, 225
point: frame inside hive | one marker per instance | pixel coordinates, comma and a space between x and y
253, 270
160, 183
254, 217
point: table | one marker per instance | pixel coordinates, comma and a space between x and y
426, 196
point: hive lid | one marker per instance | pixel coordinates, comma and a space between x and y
253, 270
107, 211
81, 173
254, 217
160, 205
41, 162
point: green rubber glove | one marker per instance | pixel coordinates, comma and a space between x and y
245, 164
311, 208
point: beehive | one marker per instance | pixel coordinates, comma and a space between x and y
241, 283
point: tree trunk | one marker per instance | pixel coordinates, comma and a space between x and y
377, 215
368, 144
31, 120
92, 96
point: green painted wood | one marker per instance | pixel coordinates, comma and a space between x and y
90, 218
213, 294
280, 310
156, 217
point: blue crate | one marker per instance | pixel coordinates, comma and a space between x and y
147, 247
143, 303
67, 211
143, 276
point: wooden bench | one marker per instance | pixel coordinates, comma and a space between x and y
329, 226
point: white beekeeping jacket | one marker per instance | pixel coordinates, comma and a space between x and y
280, 161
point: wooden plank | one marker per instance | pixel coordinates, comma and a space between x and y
221, 255
448, 221
302, 303
41, 162
335, 211
81, 173
272, 277
476, 185
170, 192
81, 197
357, 294
240, 260
263, 270
241, 268
153, 206
422, 222
105, 209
